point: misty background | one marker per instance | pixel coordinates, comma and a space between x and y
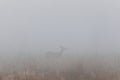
84, 27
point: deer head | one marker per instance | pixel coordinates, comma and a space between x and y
62, 49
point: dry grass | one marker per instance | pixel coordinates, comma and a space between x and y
76, 70
99, 74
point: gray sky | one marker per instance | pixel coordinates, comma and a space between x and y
80, 25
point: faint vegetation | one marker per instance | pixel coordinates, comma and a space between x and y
33, 68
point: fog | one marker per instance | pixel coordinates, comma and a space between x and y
88, 29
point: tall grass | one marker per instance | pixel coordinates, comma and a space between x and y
62, 69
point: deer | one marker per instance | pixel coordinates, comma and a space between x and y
58, 54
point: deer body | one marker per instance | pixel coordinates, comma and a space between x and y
51, 54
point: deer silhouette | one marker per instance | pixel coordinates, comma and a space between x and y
51, 54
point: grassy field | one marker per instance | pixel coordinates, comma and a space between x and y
62, 69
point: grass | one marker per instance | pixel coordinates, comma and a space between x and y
71, 70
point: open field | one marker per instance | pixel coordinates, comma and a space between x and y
61, 69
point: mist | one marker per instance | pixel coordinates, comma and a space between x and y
87, 29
